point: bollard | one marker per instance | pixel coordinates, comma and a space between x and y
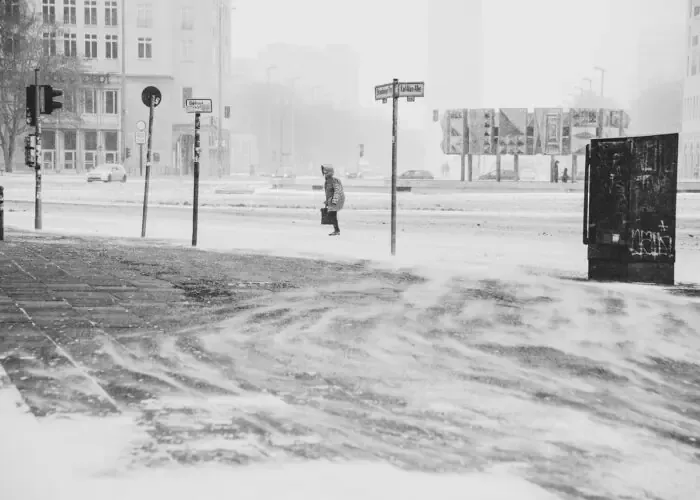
2, 213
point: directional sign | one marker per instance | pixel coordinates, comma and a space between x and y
140, 125
148, 93
140, 137
383, 92
412, 89
198, 105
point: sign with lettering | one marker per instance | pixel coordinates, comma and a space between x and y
412, 89
383, 92
198, 105
140, 137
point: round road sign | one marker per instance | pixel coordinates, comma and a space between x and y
148, 93
140, 125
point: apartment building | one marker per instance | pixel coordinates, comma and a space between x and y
689, 150
88, 130
179, 46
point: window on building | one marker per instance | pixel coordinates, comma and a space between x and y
187, 50
69, 101
111, 13
10, 9
10, 44
90, 137
69, 12
696, 10
186, 94
145, 48
187, 18
70, 44
70, 140
144, 16
48, 139
110, 104
49, 43
48, 11
111, 46
91, 12
111, 140
90, 46
90, 101
695, 40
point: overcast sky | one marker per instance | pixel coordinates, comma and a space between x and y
536, 51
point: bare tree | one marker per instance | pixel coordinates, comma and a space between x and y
29, 40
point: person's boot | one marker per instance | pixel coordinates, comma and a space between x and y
335, 233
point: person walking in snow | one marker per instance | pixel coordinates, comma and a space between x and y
335, 197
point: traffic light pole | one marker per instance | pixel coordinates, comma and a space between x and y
38, 153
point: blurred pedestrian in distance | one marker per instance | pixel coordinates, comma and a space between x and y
335, 197
565, 175
556, 171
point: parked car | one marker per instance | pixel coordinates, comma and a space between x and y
285, 173
506, 175
107, 173
417, 175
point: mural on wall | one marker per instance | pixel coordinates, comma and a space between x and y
512, 128
481, 124
552, 130
511, 131
530, 133
583, 129
566, 134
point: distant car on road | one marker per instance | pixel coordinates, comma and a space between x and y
285, 173
109, 172
417, 175
506, 175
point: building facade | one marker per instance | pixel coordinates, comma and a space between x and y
182, 47
689, 150
455, 66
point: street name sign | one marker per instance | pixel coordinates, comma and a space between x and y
198, 105
412, 89
383, 92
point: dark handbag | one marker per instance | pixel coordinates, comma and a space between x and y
325, 218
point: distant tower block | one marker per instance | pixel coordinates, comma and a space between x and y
455, 76
455, 53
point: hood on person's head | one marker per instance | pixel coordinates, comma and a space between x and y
327, 170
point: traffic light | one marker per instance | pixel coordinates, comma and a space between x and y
31, 106
50, 104
128, 153
30, 150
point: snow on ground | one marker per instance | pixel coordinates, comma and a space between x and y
603, 437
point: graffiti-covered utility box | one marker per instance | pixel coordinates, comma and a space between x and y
629, 220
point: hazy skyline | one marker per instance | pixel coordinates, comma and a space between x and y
535, 52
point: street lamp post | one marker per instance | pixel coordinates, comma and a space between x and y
602, 79
590, 83
268, 72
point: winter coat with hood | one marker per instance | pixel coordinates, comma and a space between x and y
335, 195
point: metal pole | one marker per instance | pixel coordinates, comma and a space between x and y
394, 149
221, 99
2, 213
195, 197
141, 160
148, 167
281, 149
37, 158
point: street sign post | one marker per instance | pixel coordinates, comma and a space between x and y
393, 91
196, 106
151, 97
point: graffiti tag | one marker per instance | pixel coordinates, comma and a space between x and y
651, 244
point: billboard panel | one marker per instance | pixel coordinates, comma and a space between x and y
530, 133
453, 131
550, 130
566, 133
583, 129
512, 128
481, 124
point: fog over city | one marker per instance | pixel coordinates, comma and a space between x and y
313, 249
